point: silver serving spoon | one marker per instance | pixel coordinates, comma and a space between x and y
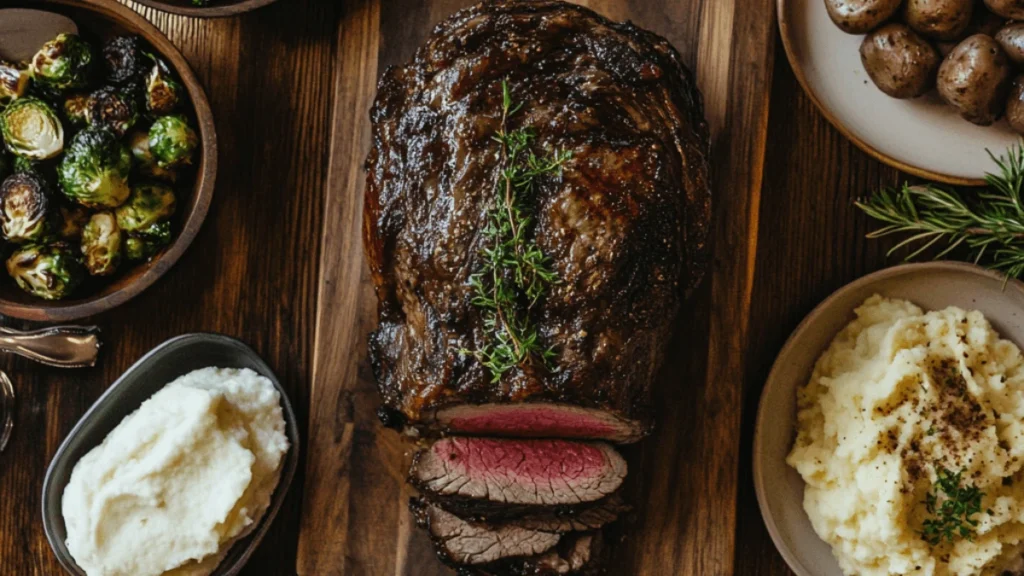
23, 31
60, 346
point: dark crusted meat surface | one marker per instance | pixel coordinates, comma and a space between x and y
625, 225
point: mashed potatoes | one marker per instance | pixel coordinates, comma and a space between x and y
900, 397
180, 479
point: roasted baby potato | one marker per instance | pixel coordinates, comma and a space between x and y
974, 79
899, 62
1011, 39
1013, 9
1015, 105
860, 16
939, 19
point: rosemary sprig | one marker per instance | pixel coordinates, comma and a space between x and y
515, 272
991, 227
952, 505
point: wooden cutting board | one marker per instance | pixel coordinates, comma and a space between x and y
683, 479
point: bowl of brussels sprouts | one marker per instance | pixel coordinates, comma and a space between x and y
108, 157
206, 8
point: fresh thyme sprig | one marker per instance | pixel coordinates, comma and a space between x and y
515, 272
992, 225
952, 505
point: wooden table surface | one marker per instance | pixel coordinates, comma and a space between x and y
279, 264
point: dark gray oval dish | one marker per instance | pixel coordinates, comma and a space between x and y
173, 358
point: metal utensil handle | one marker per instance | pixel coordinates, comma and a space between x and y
60, 346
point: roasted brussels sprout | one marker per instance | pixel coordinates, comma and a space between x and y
101, 244
14, 82
21, 164
144, 244
25, 212
172, 142
62, 64
144, 161
163, 92
94, 170
50, 271
31, 129
147, 205
76, 110
124, 60
72, 219
112, 108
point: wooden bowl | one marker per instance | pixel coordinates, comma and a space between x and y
104, 18
217, 9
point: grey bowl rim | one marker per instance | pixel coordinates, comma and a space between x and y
288, 472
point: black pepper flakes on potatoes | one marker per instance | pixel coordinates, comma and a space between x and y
899, 61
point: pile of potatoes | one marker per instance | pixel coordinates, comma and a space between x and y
971, 51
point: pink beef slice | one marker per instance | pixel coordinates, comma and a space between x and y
537, 420
518, 472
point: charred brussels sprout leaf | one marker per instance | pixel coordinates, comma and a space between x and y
62, 64
144, 244
124, 60
94, 171
72, 219
14, 82
31, 129
144, 161
76, 110
24, 207
101, 244
172, 142
48, 271
112, 108
163, 92
147, 205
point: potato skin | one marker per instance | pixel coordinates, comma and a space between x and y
860, 16
1015, 105
1007, 8
974, 79
899, 62
939, 19
1011, 39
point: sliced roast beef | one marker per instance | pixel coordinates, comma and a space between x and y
464, 542
593, 517
577, 554
535, 420
517, 474
624, 225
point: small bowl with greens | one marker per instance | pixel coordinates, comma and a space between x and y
107, 164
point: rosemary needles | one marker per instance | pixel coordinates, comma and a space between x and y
515, 273
991, 227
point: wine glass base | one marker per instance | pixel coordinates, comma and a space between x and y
6, 409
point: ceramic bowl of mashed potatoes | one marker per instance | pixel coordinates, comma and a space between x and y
899, 393
191, 451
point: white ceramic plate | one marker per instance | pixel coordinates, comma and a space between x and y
932, 286
921, 136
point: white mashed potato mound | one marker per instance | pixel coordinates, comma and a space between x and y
179, 480
899, 396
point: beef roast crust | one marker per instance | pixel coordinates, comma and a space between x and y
626, 224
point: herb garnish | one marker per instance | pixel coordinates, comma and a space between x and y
952, 505
993, 224
515, 272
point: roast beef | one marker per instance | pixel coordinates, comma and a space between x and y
504, 549
625, 224
482, 475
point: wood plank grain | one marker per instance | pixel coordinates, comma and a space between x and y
268, 76
684, 478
